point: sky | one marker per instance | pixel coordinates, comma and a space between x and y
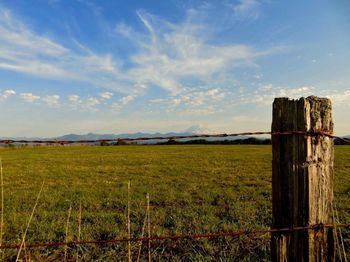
80, 66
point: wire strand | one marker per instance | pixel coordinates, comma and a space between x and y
178, 237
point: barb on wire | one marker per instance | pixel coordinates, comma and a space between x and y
63, 142
178, 237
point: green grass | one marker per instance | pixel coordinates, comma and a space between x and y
193, 189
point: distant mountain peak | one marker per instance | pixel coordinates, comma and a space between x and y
198, 130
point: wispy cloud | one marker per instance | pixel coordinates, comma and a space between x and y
25, 51
169, 56
18, 37
247, 9
172, 55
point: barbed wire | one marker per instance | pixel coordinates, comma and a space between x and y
126, 139
233, 234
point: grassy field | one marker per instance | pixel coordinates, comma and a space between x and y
193, 189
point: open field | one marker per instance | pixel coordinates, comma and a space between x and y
193, 189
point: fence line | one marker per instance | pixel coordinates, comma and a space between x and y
233, 234
305, 133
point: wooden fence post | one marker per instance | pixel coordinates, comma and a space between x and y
302, 180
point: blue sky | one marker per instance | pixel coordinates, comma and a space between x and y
78, 66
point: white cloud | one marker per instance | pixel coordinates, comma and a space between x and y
29, 97
116, 106
52, 101
17, 36
338, 98
73, 99
194, 102
168, 56
7, 93
24, 51
87, 104
172, 55
36, 68
195, 98
266, 93
198, 98
91, 102
96, 63
106, 95
126, 99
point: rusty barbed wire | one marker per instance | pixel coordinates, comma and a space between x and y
126, 139
233, 234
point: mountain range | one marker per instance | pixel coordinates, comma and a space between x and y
195, 130
93, 136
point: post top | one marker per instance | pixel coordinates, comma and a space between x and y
309, 99
312, 114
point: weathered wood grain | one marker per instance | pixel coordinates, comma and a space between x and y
302, 179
